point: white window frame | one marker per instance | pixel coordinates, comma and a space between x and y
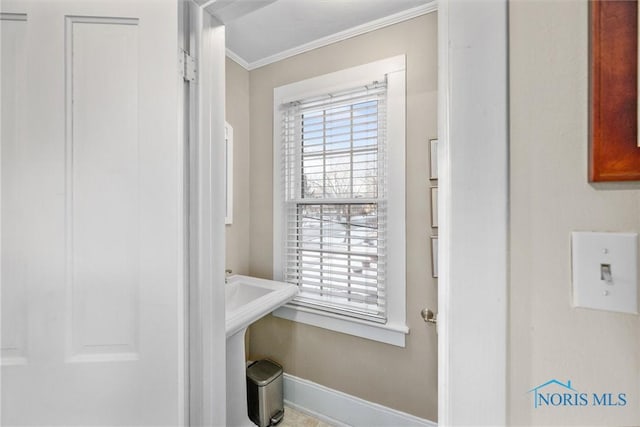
394, 330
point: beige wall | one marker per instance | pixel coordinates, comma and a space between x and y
550, 197
237, 115
402, 378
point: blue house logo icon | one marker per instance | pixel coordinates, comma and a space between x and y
564, 395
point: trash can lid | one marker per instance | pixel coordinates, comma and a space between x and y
263, 372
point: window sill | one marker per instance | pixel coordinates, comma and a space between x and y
390, 333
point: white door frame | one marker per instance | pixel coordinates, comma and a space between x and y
207, 339
473, 211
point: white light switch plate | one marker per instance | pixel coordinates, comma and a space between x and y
590, 252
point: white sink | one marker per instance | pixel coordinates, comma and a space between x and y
247, 299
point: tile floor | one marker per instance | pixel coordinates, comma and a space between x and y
293, 418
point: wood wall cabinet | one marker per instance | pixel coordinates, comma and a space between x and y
614, 154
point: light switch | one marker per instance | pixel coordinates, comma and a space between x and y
605, 271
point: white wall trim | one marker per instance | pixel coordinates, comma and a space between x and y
473, 212
342, 409
396, 18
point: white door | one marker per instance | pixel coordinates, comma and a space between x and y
92, 214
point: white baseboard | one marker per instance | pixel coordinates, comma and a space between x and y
341, 409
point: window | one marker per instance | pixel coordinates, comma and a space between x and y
339, 199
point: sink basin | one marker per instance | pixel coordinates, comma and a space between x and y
247, 299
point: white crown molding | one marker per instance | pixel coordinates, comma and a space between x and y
236, 58
404, 15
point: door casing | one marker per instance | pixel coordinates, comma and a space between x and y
206, 205
473, 212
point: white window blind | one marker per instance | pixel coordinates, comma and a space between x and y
334, 181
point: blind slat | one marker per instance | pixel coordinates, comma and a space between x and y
315, 304
335, 292
334, 252
347, 282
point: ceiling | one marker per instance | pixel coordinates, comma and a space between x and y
259, 32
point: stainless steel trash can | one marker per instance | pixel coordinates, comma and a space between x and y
264, 393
